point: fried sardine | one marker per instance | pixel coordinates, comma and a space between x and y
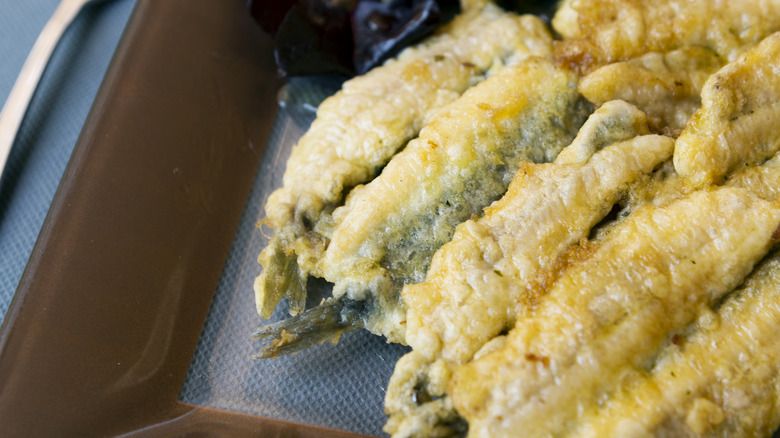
362, 126
493, 262
466, 155
608, 315
717, 377
463, 160
610, 292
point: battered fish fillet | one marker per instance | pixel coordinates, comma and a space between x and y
465, 298
464, 159
719, 377
362, 126
597, 32
609, 313
737, 124
491, 263
666, 86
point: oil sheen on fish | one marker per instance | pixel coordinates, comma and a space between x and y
547, 208
362, 126
611, 312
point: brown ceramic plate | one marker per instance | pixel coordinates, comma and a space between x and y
107, 315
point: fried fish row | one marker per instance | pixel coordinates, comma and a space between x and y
474, 281
464, 159
600, 293
585, 350
359, 129
606, 318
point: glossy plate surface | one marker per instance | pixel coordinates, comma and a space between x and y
107, 315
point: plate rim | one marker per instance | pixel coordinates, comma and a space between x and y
64, 326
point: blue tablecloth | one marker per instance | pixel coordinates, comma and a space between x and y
54, 120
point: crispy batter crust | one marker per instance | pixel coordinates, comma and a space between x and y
462, 161
597, 32
362, 126
612, 312
718, 377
